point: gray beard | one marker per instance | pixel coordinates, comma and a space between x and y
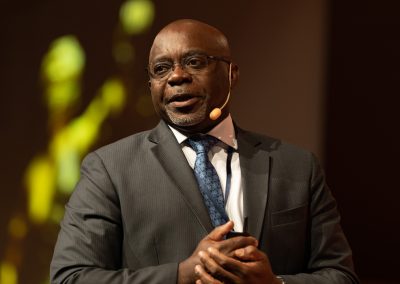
187, 119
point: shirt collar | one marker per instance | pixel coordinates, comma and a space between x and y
224, 131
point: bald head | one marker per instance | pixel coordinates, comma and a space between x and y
199, 34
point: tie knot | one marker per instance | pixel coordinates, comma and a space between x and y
201, 144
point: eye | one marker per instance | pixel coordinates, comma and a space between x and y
161, 68
196, 61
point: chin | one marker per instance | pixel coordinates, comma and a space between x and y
187, 119
191, 124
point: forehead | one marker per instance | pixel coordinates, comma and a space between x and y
176, 43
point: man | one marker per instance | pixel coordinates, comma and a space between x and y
144, 213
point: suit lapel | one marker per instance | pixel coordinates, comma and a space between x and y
254, 163
169, 153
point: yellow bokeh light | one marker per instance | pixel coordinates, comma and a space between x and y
136, 15
40, 184
73, 141
52, 173
62, 94
68, 168
113, 94
64, 61
61, 70
57, 213
8, 273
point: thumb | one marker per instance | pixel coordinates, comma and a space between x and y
219, 232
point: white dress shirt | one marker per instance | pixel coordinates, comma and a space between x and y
218, 155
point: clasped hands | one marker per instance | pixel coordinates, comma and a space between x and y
217, 260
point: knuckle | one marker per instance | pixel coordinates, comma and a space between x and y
250, 240
223, 262
251, 249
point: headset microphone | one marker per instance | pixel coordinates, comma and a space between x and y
216, 112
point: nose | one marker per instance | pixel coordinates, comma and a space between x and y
179, 76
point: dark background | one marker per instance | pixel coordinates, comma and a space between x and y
362, 140
321, 74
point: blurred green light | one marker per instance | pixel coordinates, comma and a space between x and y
64, 61
84, 130
62, 94
74, 140
8, 273
57, 214
40, 184
136, 15
113, 94
68, 168
62, 68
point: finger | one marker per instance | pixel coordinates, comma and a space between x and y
249, 253
230, 245
204, 277
247, 272
219, 232
235, 267
215, 270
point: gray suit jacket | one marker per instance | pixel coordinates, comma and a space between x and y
137, 212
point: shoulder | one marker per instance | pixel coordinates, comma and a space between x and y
126, 145
121, 153
285, 157
134, 149
274, 146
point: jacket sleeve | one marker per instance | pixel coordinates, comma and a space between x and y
330, 258
90, 242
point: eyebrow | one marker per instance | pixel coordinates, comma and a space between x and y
186, 54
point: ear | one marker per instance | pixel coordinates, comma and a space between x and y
149, 84
235, 74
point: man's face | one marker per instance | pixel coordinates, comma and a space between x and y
181, 98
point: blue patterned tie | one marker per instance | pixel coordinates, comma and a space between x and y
207, 178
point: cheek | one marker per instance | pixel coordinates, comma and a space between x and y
156, 92
219, 90
220, 81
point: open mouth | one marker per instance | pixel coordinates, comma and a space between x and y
184, 100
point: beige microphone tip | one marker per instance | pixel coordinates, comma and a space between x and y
215, 114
